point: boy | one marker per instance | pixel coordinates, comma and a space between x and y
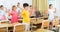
26, 16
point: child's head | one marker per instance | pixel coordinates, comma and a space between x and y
2, 7
25, 5
36, 8
50, 6
18, 4
30, 6
13, 7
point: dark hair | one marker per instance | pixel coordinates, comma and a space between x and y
25, 5
13, 7
30, 5
50, 5
18, 3
1, 6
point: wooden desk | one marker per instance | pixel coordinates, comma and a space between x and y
33, 21
4, 29
8, 25
43, 30
4, 21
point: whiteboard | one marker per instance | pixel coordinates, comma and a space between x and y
9, 3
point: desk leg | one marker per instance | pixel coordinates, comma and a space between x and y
59, 29
7, 29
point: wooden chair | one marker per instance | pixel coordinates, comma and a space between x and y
55, 23
32, 20
45, 24
43, 30
19, 28
39, 20
3, 29
39, 23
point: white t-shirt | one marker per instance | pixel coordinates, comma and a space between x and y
51, 14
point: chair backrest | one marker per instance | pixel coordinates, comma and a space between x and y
45, 23
3, 29
32, 20
56, 22
19, 28
40, 20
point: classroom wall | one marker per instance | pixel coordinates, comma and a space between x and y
57, 5
9, 3
34, 3
41, 4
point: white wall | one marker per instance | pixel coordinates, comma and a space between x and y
56, 4
9, 3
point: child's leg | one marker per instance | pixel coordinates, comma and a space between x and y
27, 26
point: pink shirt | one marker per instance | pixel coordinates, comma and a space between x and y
14, 16
2, 17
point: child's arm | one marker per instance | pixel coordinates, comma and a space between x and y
10, 12
55, 10
18, 12
22, 14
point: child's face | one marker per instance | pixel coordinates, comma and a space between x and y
18, 5
51, 6
2, 8
14, 8
27, 7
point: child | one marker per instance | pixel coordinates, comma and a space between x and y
51, 12
2, 13
19, 10
32, 11
26, 16
14, 15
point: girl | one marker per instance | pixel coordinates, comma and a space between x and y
14, 15
51, 12
32, 12
2, 13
